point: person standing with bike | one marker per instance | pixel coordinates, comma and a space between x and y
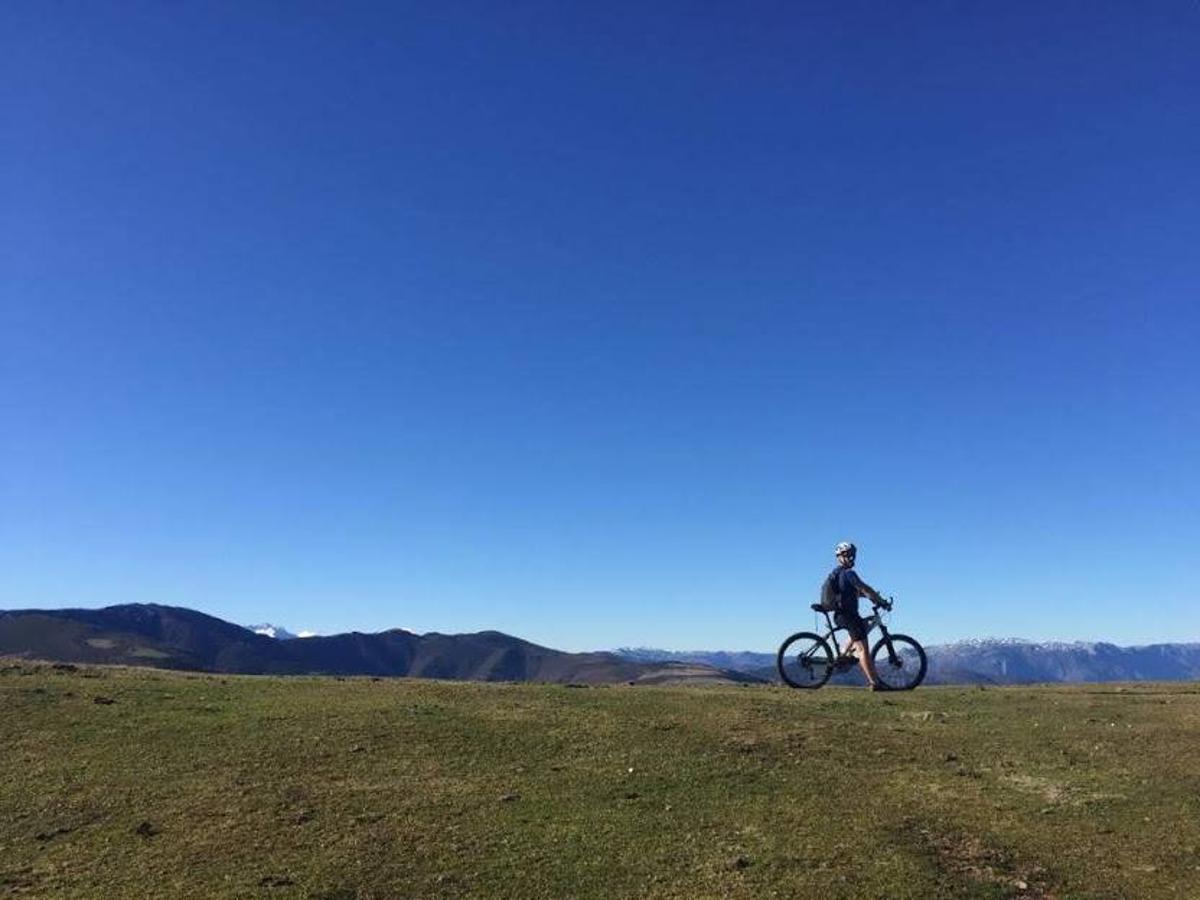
845, 588
806, 659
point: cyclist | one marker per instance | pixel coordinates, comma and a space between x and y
849, 587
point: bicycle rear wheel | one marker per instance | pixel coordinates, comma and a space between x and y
900, 666
805, 660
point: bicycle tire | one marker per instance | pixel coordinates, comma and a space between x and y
797, 665
897, 673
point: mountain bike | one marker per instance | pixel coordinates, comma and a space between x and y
805, 659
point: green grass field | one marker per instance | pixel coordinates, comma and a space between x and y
207, 786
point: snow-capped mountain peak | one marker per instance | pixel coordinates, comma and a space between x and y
273, 631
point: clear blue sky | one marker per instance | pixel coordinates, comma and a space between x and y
601, 324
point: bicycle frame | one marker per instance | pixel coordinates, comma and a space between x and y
873, 621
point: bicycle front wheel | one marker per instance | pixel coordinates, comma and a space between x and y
805, 660
899, 661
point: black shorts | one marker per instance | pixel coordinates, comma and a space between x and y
853, 623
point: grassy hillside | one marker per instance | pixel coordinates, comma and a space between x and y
140, 783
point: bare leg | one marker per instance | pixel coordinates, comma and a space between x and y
865, 662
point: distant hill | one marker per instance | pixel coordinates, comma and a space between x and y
1003, 661
177, 638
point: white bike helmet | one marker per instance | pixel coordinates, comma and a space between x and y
845, 548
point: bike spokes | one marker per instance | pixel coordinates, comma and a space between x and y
805, 661
900, 662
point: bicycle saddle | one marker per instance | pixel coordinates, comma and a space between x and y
817, 607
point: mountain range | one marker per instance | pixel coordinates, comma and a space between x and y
177, 638
991, 661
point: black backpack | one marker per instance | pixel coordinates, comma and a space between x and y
831, 590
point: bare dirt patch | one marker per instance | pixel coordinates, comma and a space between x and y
967, 858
